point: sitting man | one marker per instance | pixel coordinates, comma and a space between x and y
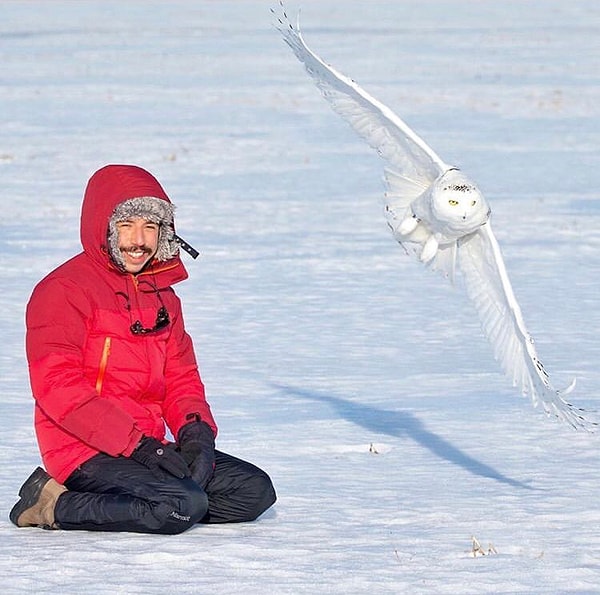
111, 365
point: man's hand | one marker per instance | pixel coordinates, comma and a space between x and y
196, 443
156, 456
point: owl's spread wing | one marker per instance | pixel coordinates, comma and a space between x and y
488, 286
414, 165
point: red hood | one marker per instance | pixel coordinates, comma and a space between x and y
108, 187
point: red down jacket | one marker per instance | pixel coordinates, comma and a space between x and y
98, 387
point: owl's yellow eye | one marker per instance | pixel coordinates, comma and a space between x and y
452, 202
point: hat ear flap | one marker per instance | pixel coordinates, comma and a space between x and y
112, 243
168, 247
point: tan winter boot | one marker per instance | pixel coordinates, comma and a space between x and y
38, 500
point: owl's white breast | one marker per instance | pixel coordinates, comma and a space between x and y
451, 207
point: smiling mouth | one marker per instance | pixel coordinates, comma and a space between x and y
136, 253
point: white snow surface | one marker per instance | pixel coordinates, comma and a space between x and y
361, 383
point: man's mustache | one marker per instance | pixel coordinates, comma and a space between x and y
143, 248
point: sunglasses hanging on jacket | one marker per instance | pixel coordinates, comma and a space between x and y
162, 315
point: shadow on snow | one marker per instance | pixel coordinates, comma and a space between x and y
401, 424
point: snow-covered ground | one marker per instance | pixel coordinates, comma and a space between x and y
360, 382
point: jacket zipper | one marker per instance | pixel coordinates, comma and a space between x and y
103, 364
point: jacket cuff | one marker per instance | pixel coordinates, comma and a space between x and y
134, 440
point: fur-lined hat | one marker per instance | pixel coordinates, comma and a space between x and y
152, 209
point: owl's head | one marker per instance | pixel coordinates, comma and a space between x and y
458, 203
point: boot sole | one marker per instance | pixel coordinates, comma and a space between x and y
30, 493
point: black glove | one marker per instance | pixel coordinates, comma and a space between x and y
196, 443
156, 456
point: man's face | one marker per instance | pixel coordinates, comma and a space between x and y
138, 242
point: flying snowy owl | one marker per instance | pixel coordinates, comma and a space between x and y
438, 214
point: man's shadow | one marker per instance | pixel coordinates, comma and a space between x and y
401, 424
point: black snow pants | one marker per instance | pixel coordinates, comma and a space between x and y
118, 494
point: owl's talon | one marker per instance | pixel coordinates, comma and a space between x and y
430, 249
408, 225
